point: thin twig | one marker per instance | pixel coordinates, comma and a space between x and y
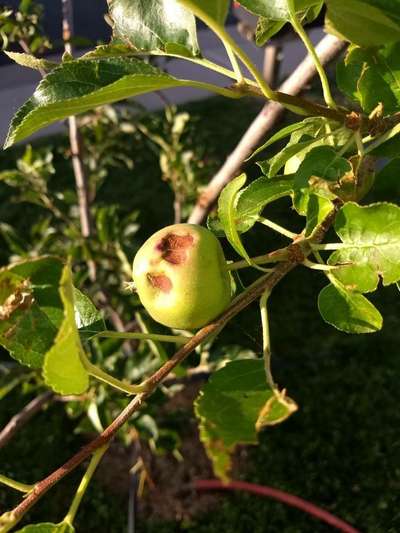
328, 48
74, 135
20, 419
268, 281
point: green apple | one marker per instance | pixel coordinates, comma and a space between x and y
181, 277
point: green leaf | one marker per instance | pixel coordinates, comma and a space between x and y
227, 213
318, 207
216, 9
88, 319
281, 158
276, 410
267, 28
372, 77
362, 23
47, 527
63, 369
274, 15
281, 134
349, 71
154, 26
312, 132
277, 9
321, 162
112, 49
256, 196
77, 86
348, 311
371, 245
229, 407
27, 60
30, 309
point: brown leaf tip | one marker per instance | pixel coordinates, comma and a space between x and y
160, 281
173, 247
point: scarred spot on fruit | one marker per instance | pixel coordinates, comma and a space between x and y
173, 247
160, 281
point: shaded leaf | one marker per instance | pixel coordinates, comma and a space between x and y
348, 311
30, 309
228, 408
387, 181
267, 28
323, 162
63, 369
154, 25
371, 245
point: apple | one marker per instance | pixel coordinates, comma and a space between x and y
181, 277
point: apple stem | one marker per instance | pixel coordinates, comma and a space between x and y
83, 485
277, 227
177, 339
273, 257
266, 338
21, 487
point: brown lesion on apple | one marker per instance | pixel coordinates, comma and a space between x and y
160, 281
174, 247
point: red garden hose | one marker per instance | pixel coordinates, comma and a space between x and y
280, 495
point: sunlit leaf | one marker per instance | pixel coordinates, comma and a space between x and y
348, 311
63, 369
256, 196
30, 61
227, 213
274, 15
371, 245
314, 132
77, 86
277, 9
281, 134
323, 163
88, 319
216, 9
318, 207
154, 25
